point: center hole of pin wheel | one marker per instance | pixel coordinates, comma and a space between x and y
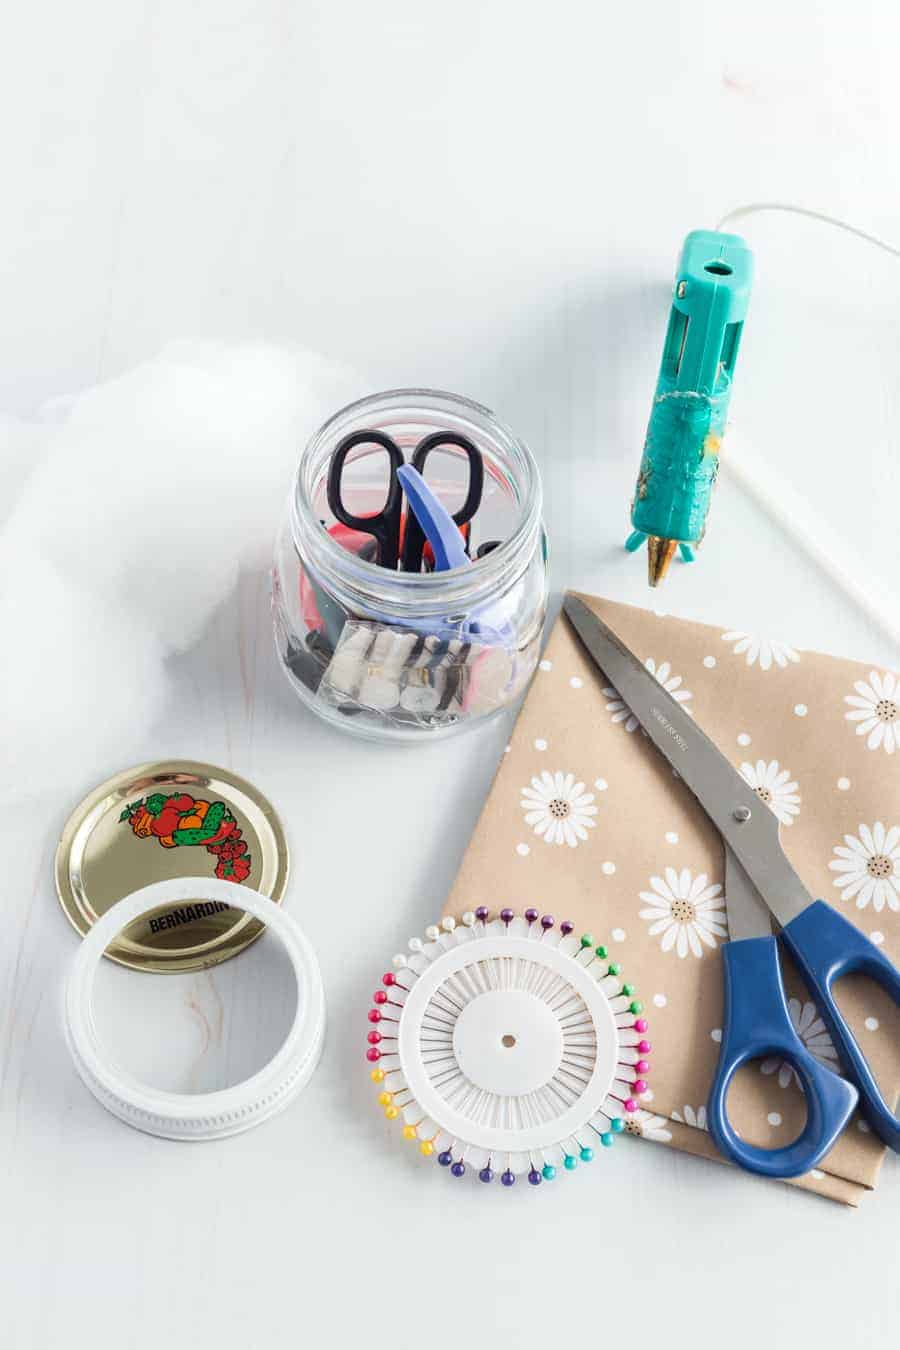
508, 1040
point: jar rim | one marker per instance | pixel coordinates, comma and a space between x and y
407, 593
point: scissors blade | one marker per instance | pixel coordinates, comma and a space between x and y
748, 913
746, 824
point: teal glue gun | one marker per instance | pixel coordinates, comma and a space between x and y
681, 453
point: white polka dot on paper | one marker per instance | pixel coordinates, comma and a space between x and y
709, 662
618, 935
801, 709
523, 850
601, 784
816, 1174
871, 1024
876, 937
660, 1000
671, 837
608, 868
576, 682
863, 1127
743, 738
545, 665
540, 745
716, 1034
843, 784
774, 1118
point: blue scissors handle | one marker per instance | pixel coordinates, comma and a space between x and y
757, 1023
825, 947
384, 525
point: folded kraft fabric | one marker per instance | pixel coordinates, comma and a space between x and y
587, 821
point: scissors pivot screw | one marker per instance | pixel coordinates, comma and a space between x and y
742, 814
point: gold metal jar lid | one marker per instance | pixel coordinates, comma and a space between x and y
163, 820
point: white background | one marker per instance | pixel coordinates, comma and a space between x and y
487, 197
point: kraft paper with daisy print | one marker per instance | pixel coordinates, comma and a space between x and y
586, 821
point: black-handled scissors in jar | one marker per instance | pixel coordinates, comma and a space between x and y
400, 539
760, 885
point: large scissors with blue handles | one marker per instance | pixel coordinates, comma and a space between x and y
760, 884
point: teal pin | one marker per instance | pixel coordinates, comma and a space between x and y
681, 452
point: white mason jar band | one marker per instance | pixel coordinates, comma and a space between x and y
213, 1115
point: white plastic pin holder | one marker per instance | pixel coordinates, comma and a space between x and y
200, 1116
507, 1046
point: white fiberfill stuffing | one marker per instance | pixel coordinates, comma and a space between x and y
188, 456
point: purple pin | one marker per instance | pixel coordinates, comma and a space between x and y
531, 915
534, 1177
508, 1178
482, 913
565, 927
458, 1169
507, 915
547, 922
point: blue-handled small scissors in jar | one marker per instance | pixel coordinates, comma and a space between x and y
760, 884
398, 539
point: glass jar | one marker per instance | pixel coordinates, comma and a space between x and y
406, 656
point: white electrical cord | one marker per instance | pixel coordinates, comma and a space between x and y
753, 208
210, 1115
786, 507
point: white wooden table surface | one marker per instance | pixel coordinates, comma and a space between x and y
486, 196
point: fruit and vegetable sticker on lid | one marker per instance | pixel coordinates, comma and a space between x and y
165, 820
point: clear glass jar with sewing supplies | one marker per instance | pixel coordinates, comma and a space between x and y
410, 577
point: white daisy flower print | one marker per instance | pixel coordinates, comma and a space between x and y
875, 708
697, 1118
868, 867
812, 1031
759, 649
558, 808
686, 911
647, 1126
619, 709
774, 786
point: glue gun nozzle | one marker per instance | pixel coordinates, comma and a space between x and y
659, 555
